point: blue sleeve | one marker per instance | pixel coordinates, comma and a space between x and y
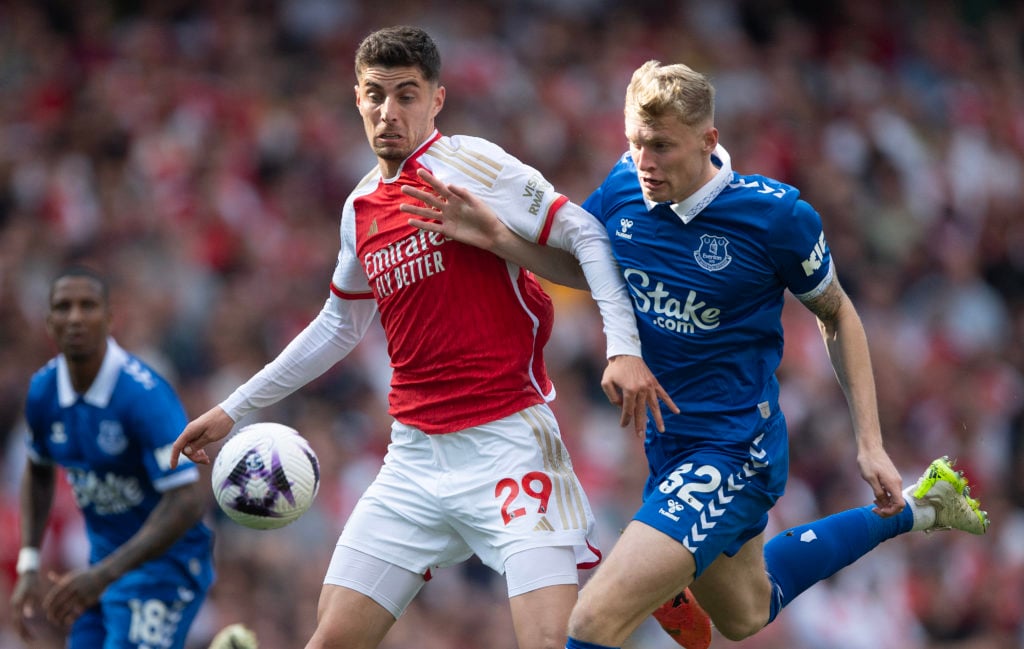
157, 419
35, 417
799, 250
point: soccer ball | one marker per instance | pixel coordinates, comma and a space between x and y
265, 476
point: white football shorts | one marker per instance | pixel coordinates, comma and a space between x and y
494, 490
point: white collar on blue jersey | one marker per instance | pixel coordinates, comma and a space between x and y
102, 388
690, 207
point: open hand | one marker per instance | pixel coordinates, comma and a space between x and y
454, 212
629, 383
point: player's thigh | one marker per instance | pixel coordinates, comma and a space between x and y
401, 517
643, 570
392, 587
540, 617
712, 499
347, 619
542, 586
514, 489
736, 589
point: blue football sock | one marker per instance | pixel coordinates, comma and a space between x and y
579, 644
802, 556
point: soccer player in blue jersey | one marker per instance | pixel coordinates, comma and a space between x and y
708, 254
110, 420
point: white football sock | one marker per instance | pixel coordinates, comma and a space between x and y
924, 514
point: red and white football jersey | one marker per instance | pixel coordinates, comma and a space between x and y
465, 329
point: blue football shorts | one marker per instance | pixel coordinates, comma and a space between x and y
714, 496
138, 612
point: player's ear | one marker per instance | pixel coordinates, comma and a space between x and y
439, 95
710, 137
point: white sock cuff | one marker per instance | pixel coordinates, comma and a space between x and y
924, 514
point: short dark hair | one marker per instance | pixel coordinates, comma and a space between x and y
400, 46
86, 272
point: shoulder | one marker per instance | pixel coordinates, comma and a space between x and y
472, 161
46, 373
137, 375
43, 384
468, 145
761, 191
622, 176
368, 181
487, 170
366, 185
618, 188
622, 170
146, 397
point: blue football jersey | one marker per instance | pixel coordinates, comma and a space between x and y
114, 443
708, 278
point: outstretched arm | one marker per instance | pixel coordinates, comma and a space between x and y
325, 341
178, 510
847, 346
209, 427
462, 216
37, 489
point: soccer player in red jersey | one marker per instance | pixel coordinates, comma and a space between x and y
476, 463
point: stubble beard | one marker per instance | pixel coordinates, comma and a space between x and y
390, 153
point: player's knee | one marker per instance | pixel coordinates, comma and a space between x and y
549, 633
588, 622
583, 621
579, 620
738, 627
546, 640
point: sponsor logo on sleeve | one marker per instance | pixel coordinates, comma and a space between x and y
137, 371
816, 258
535, 189
162, 456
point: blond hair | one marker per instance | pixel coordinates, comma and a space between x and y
657, 90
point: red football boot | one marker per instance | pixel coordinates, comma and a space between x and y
684, 620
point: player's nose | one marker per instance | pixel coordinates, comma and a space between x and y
644, 159
387, 110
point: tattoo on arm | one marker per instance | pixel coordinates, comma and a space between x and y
826, 306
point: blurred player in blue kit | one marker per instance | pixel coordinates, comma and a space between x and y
708, 254
110, 420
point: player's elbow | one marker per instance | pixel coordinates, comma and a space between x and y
189, 503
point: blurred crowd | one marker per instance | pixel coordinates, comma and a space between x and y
199, 152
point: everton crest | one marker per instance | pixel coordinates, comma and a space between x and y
713, 253
111, 438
